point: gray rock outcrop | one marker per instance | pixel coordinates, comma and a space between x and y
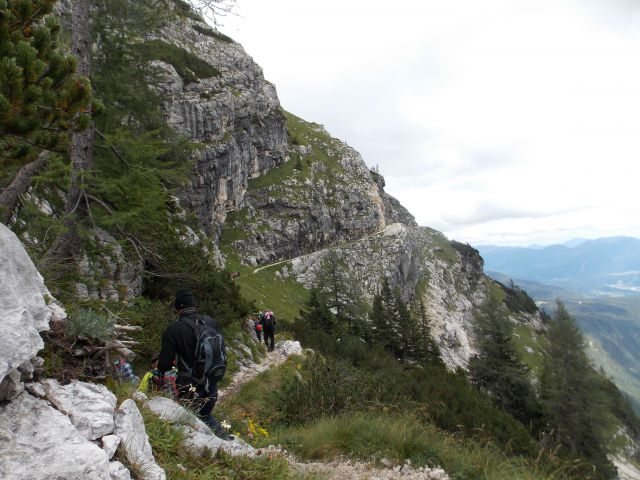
90, 406
198, 438
419, 262
27, 307
234, 113
38, 441
135, 442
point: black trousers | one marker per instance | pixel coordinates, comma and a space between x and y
199, 399
269, 338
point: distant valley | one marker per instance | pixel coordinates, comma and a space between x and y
599, 282
605, 266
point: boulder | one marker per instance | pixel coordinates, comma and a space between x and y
27, 307
90, 406
37, 441
289, 347
135, 443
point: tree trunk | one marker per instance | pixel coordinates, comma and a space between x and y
67, 244
10, 196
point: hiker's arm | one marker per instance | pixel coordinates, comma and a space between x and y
168, 352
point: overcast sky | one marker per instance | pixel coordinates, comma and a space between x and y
493, 121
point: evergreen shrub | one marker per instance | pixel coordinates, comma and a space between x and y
88, 323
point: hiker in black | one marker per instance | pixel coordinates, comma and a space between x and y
269, 329
179, 344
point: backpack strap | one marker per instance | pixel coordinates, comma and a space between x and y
181, 362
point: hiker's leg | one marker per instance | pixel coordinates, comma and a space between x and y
205, 412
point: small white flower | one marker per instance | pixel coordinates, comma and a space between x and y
225, 425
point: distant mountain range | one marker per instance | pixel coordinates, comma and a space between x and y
605, 266
599, 282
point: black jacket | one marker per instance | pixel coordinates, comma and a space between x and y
179, 341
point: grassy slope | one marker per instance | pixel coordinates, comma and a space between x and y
366, 437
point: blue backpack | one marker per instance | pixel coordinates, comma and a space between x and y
210, 359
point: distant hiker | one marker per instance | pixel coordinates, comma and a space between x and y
269, 329
258, 326
196, 381
152, 380
124, 370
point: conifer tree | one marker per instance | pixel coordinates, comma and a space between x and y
497, 370
317, 314
342, 292
41, 98
569, 395
404, 326
427, 349
380, 317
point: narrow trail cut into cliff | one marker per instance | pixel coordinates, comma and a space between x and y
344, 245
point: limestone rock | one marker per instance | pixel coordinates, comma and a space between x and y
135, 443
38, 441
113, 275
118, 471
25, 313
167, 409
235, 114
110, 444
90, 406
415, 260
289, 347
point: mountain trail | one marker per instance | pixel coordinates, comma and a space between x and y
337, 469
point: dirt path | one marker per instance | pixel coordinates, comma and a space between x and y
378, 232
338, 469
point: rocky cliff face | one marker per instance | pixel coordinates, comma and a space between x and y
231, 111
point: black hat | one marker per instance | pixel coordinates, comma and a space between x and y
184, 299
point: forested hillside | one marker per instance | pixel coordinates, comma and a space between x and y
144, 152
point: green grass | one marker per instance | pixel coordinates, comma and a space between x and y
251, 411
523, 337
266, 291
399, 438
179, 462
275, 176
210, 32
187, 65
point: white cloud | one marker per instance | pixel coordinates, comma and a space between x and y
491, 120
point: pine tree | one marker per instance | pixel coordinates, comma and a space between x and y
497, 370
427, 349
317, 314
380, 317
41, 97
569, 395
404, 326
343, 294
